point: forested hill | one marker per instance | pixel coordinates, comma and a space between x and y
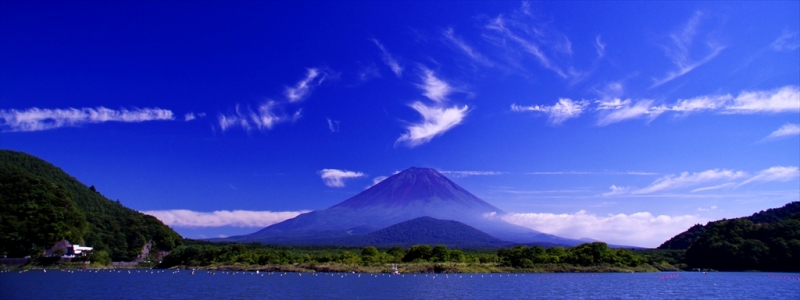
768, 241
100, 222
772, 215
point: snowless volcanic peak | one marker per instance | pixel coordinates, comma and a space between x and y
417, 187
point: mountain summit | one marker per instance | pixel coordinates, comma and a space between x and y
407, 195
418, 189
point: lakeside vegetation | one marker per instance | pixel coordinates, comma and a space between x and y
590, 257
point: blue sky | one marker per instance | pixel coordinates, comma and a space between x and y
626, 122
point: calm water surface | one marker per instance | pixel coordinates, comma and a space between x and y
142, 284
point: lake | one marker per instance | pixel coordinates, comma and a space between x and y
169, 284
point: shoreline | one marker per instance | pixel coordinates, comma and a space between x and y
406, 268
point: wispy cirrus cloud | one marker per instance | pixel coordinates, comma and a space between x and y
563, 110
333, 125
626, 110
638, 229
600, 47
785, 130
336, 177
37, 119
191, 116
435, 121
437, 118
521, 34
683, 51
787, 41
687, 179
499, 25
714, 187
389, 60
220, 218
433, 87
779, 100
721, 179
265, 117
778, 173
636, 173
303, 88
470, 51
784, 99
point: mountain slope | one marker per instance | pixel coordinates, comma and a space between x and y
430, 231
410, 194
111, 227
773, 215
34, 213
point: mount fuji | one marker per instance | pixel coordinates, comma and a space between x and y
407, 195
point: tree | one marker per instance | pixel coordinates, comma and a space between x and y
440, 253
418, 252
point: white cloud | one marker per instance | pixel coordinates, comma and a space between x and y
191, 116
686, 179
615, 103
715, 187
700, 103
433, 87
788, 41
389, 60
335, 177
785, 99
435, 121
637, 229
778, 173
265, 117
784, 131
681, 52
303, 87
627, 111
616, 190
37, 119
368, 72
472, 173
498, 24
600, 47
558, 113
219, 218
333, 125
611, 110
713, 207
467, 49
377, 180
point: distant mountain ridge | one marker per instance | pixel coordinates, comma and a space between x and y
407, 195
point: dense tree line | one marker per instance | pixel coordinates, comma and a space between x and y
766, 240
200, 254
589, 254
35, 213
119, 231
741, 244
206, 254
772, 215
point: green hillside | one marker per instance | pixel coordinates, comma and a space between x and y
767, 240
772, 215
109, 226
